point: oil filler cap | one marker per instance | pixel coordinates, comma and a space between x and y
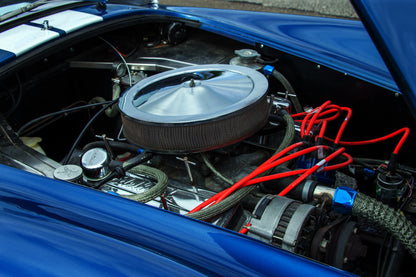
95, 164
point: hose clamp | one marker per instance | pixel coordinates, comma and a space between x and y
268, 70
343, 200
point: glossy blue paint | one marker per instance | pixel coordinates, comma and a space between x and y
391, 25
6, 56
326, 41
112, 11
61, 229
343, 45
116, 11
56, 228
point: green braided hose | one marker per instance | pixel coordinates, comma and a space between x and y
156, 190
388, 218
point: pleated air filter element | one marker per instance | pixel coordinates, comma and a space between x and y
195, 108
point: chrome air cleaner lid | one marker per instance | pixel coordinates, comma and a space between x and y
195, 108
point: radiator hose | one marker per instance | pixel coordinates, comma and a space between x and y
270, 70
348, 201
386, 217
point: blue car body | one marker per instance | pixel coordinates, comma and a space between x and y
74, 230
56, 228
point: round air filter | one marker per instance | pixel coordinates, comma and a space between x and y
195, 108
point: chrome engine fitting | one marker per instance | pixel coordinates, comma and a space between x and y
187, 109
95, 164
178, 197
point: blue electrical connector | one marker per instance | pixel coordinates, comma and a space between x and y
268, 69
343, 200
369, 172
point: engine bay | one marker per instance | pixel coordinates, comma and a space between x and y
208, 127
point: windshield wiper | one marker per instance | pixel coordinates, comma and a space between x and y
21, 10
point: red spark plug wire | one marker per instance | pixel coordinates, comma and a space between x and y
244, 230
305, 121
340, 165
323, 128
404, 130
270, 163
311, 170
306, 173
299, 171
318, 117
331, 118
324, 113
344, 123
299, 114
264, 167
273, 162
315, 116
321, 115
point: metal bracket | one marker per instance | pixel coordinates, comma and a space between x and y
45, 25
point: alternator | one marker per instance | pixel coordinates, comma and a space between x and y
283, 222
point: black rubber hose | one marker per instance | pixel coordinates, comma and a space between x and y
86, 127
66, 111
122, 146
120, 171
289, 134
386, 217
290, 130
215, 171
282, 79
